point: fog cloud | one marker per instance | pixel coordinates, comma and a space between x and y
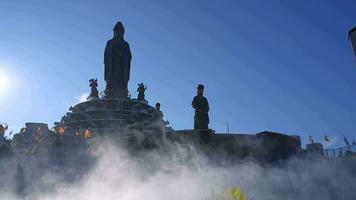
178, 173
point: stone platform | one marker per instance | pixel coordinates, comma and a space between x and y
108, 115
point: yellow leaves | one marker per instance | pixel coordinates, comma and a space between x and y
235, 194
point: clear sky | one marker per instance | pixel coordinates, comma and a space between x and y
284, 66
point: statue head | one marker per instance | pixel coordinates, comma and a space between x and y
141, 86
119, 30
158, 106
200, 89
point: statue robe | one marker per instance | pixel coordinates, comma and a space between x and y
201, 117
117, 60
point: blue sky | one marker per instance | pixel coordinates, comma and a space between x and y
283, 66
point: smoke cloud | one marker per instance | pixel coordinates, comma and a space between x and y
174, 172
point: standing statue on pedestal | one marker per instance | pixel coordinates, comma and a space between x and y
141, 91
94, 91
201, 106
157, 114
117, 60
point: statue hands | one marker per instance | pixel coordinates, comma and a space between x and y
94, 91
93, 82
141, 91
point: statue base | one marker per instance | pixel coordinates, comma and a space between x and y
110, 115
115, 94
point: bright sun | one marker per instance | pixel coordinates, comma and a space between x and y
4, 83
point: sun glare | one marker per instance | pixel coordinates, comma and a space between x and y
4, 83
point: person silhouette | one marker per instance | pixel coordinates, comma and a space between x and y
201, 106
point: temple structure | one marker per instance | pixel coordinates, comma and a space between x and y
138, 125
114, 111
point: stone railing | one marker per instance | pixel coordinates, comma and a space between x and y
342, 152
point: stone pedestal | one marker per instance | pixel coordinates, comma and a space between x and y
115, 94
109, 115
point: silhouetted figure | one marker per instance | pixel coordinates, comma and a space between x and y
94, 91
5, 145
141, 91
326, 139
311, 141
117, 60
157, 114
201, 106
3, 128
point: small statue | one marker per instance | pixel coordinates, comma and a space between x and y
311, 141
94, 91
157, 114
3, 128
141, 92
201, 106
